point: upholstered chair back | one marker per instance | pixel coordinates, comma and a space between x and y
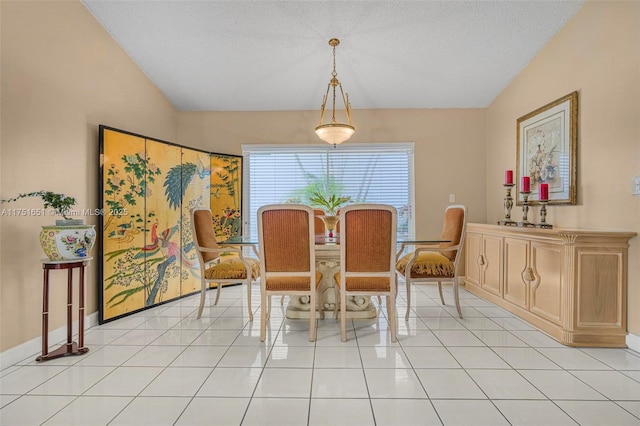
286, 242
452, 229
205, 235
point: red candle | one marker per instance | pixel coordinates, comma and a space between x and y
544, 191
508, 177
526, 184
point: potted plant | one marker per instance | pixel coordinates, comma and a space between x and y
69, 238
331, 205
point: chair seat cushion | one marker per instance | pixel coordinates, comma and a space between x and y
233, 269
365, 284
429, 264
291, 283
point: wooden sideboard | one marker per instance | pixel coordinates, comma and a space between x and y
569, 283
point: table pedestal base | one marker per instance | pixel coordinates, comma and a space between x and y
357, 306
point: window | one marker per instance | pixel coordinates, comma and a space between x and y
368, 173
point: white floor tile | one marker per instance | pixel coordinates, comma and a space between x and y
504, 384
125, 381
477, 357
536, 338
458, 338
419, 338
337, 357
138, 337
26, 378
430, 357
29, 410
393, 383
151, 411
612, 384
154, 356
199, 356
533, 413
95, 336
619, 359
213, 411
479, 323
177, 337
89, 410
284, 383
339, 383
383, 357
72, 381
597, 413
466, 413
343, 412
573, 359
443, 323
7, 399
291, 357
499, 338
513, 323
216, 337
449, 384
110, 355
231, 382
525, 358
560, 385
405, 412
244, 356
277, 412
632, 407
177, 381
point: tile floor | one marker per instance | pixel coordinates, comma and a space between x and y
164, 367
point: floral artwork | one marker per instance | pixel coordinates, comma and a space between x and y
543, 153
226, 191
546, 150
149, 188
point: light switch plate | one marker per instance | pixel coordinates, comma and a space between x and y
452, 198
635, 185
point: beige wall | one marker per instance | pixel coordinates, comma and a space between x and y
598, 54
62, 75
449, 148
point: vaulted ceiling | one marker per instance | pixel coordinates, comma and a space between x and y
274, 55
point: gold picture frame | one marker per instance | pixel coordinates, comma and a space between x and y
547, 140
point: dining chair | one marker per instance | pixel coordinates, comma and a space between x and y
437, 263
368, 258
214, 268
287, 258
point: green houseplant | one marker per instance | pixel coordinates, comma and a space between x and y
331, 205
60, 203
68, 239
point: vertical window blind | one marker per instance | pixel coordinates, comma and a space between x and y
368, 173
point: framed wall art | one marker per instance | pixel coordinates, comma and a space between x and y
546, 150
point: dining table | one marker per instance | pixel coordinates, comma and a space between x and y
327, 251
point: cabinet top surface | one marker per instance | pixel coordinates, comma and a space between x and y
549, 232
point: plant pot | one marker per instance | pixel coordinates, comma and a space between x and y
67, 242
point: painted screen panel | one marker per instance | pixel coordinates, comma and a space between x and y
226, 195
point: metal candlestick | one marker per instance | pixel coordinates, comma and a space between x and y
525, 209
508, 205
543, 215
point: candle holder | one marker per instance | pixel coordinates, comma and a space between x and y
508, 205
543, 215
525, 209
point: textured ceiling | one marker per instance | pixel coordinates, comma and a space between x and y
274, 55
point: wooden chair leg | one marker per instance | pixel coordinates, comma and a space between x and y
440, 291
249, 300
263, 314
343, 315
218, 294
391, 314
456, 296
407, 281
203, 295
312, 317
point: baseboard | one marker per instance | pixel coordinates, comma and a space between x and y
633, 342
33, 347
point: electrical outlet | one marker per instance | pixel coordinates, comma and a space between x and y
452, 198
635, 185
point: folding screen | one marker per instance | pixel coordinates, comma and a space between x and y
148, 189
